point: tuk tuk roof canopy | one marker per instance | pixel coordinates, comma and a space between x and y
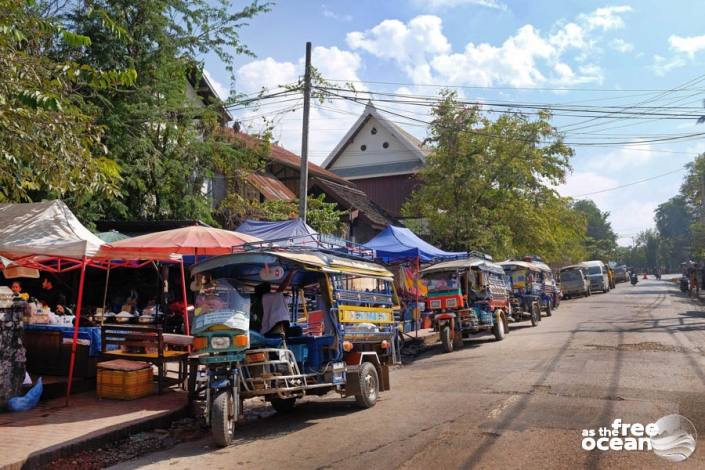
522, 264
195, 240
320, 261
396, 244
47, 229
464, 264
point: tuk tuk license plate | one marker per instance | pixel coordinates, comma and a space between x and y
365, 316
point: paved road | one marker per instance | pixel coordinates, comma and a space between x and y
634, 353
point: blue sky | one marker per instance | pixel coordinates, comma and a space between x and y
550, 52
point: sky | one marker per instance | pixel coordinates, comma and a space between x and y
577, 53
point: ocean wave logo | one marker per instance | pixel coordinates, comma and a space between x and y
675, 438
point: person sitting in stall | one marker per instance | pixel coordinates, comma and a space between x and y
16, 288
275, 313
52, 297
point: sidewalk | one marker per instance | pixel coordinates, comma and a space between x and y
51, 430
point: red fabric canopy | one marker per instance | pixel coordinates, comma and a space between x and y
195, 240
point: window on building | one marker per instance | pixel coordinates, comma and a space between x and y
374, 130
363, 147
385, 145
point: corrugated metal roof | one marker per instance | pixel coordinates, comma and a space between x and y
270, 187
462, 264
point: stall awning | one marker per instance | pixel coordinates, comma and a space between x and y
195, 240
267, 231
44, 229
397, 244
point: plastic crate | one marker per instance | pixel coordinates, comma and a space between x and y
121, 381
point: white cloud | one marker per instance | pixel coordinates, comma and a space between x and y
633, 157
409, 45
584, 182
266, 73
269, 73
328, 13
662, 65
620, 45
606, 18
689, 45
528, 58
443, 4
684, 48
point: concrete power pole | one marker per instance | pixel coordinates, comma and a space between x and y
303, 174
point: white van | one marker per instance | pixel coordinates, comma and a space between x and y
597, 273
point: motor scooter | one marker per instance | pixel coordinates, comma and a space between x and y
634, 279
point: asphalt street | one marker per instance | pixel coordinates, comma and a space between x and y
634, 354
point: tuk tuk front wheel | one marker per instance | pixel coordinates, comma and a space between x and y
446, 340
535, 315
549, 312
283, 405
498, 329
223, 419
369, 386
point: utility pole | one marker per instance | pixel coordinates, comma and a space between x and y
303, 174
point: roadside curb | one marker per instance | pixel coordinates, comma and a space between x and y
45, 456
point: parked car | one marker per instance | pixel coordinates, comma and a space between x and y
598, 275
574, 281
621, 274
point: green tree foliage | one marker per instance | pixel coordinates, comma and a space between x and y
488, 184
600, 241
166, 142
322, 216
673, 222
51, 143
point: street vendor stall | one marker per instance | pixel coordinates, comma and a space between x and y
47, 236
401, 247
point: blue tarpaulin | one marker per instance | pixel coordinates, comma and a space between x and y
268, 231
395, 244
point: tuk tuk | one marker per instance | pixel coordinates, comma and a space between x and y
328, 325
467, 296
550, 299
527, 291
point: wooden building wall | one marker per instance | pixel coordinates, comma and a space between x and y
390, 192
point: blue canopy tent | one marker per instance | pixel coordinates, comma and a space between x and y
281, 230
397, 244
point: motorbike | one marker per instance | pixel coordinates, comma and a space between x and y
684, 284
634, 279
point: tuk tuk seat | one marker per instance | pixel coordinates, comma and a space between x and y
259, 340
315, 345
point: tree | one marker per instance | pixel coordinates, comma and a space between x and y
51, 143
600, 240
488, 184
673, 222
167, 143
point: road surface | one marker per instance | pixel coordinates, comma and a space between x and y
634, 354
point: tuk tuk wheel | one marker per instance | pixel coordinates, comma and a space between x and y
283, 405
498, 329
446, 340
549, 312
369, 386
223, 419
535, 315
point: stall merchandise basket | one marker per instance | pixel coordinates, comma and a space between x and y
124, 380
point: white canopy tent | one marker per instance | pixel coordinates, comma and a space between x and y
44, 229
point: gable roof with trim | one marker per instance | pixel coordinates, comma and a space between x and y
410, 143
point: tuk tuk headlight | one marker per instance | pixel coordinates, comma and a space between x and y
220, 342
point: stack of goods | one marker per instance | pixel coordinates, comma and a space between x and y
124, 380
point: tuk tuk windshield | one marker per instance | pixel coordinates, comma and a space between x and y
441, 282
220, 303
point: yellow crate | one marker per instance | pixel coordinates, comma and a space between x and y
125, 385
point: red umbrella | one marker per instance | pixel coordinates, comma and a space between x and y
195, 240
